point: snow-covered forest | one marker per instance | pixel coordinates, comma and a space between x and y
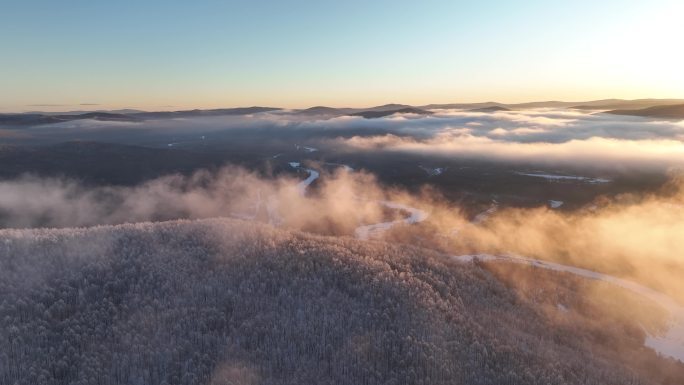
223, 301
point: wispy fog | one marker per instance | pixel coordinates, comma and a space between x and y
638, 235
341, 202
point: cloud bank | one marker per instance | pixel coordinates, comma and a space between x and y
538, 135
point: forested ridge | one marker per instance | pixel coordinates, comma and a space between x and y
232, 302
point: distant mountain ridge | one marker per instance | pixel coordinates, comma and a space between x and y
372, 114
38, 119
664, 112
323, 110
333, 111
601, 104
490, 109
198, 113
605, 104
616, 106
31, 119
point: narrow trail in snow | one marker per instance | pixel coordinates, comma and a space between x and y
669, 344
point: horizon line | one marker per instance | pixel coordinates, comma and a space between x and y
179, 108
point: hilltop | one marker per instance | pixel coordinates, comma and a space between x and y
664, 112
31, 119
220, 301
380, 113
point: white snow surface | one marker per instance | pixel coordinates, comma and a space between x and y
669, 344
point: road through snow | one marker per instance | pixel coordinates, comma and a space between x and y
670, 344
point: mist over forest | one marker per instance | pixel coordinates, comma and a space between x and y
395, 244
341, 192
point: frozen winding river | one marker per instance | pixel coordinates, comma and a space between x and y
669, 344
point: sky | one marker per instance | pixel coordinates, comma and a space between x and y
161, 55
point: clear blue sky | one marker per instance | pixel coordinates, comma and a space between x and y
186, 54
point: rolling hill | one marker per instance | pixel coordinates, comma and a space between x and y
32, 119
617, 104
323, 110
222, 301
490, 109
661, 112
129, 115
604, 104
39, 119
373, 114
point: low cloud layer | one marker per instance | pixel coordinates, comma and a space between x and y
341, 202
592, 152
537, 135
637, 236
